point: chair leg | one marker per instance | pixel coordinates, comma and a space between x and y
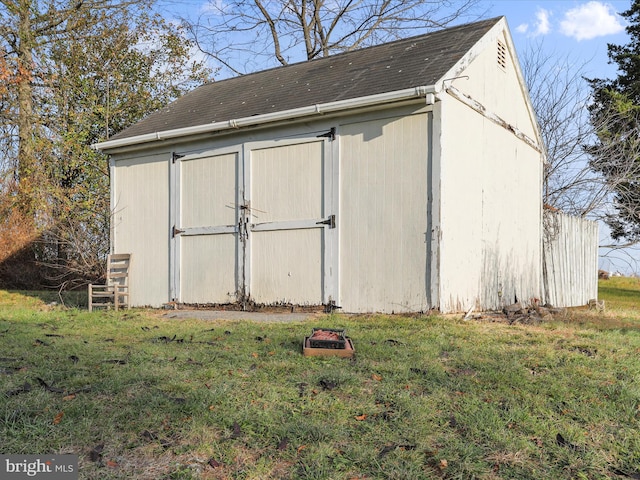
90, 299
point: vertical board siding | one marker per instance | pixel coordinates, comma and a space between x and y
491, 252
140, 225
383, 221
490, 246
570, 260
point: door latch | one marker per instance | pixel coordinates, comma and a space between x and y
331, 221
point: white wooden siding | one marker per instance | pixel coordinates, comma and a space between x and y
490, 247
140, 206
383, 221
570, 260
501, 90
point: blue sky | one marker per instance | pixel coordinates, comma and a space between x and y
580, 29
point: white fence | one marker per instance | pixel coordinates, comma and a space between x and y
570, 263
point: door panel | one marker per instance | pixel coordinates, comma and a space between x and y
253, 222
208, 228
209, 189
287, 183
287, 267
287, 198
208, 269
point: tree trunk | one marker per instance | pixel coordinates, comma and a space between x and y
27, 166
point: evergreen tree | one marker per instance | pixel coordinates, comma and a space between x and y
615, 115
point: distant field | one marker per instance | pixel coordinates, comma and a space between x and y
140, 396
621, 293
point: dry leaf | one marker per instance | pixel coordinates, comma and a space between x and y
361, 417
254, 355
443, 464
376, 377
301, 447
58, 418
69, 397
111, 463
212, 407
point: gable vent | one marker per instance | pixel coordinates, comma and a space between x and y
502, 55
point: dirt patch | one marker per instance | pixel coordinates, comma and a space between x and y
262, 316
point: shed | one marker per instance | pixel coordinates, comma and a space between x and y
403, 177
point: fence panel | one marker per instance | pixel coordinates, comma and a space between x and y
570, 260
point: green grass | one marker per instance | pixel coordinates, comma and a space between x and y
137, 395
621, 292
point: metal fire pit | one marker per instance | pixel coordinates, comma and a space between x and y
338, 345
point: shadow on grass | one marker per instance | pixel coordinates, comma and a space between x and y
72, 299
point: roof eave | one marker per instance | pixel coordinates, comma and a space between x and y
378, 99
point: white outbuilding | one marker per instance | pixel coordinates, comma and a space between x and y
403, 177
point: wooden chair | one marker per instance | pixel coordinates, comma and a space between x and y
115, 292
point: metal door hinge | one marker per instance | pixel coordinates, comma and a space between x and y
175, 156
331, 134
331, 221
330, 306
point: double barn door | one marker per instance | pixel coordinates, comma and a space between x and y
255, 222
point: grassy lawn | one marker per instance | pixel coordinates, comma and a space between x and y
137, 395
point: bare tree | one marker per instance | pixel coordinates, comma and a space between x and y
243, 36
71, 73
581, 177
560, 97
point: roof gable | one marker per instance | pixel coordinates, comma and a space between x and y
413, 62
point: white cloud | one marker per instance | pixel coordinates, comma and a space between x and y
590, 20
542, 25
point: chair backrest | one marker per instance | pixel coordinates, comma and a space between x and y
118, 269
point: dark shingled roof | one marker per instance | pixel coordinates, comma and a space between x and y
408, 63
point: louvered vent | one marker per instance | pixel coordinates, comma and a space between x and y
502, 55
